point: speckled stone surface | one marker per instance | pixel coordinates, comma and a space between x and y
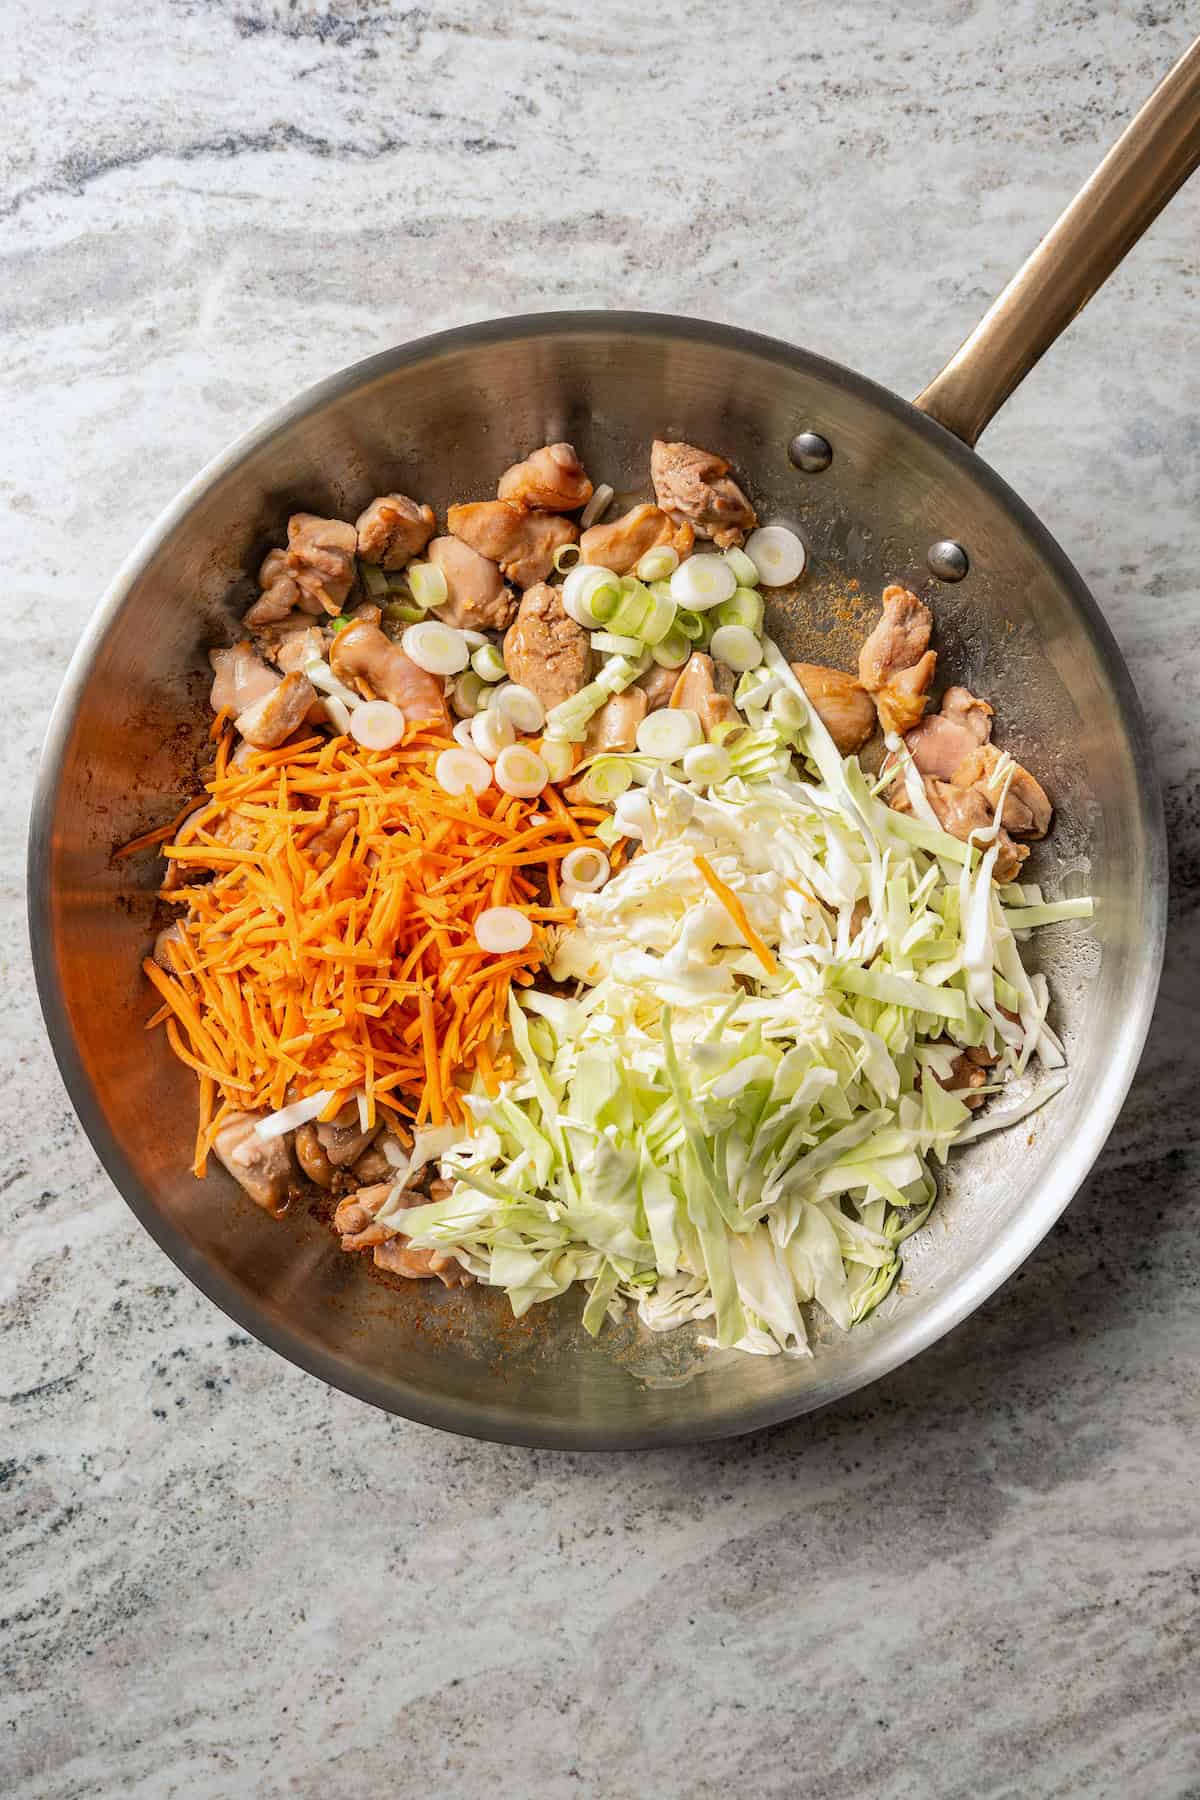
221, 1579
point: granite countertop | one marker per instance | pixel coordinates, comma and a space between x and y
979, 1578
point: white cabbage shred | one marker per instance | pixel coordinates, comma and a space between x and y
709, 1138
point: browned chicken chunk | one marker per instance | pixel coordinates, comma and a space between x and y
355, 1217
476, 598
399, 1257
895, 664
545, 650
365, 659
298, 648
164, 952
840, 701
273, 718
696, 690
975, 716
658, 685
314, 573
240, 677
694, 487
343, 1138
962, 812
621, 544
967, 1073
614, 727
310, 1154
522, 542
939, 744
553, 478
1027, 810
394, 529
327, 840
264, 1170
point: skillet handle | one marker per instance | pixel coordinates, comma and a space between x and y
1151, 159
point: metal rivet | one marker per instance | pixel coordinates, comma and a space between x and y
948, 560
810, 451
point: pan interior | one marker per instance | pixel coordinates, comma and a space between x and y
439, 422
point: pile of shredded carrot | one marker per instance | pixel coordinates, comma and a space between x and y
300, 966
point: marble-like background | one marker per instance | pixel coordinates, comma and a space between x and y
221, 1579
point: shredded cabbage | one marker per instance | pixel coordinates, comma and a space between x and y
707, 1137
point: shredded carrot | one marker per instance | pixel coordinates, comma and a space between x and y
737, 913
349, 963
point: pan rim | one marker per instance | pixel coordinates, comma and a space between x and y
490, 1422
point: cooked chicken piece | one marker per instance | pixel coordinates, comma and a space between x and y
240, 677
959, 704
326, 841
901, 702
343, 1138
614, 727
273, 718
1027, 810
355, 1217
477, 599
310, 1154
545, 650
399, 1258
367, 612
696, 691
163, 953
553, 479
962, 811
840, 701
373, 1166
315, 572
940, 743
968, 1072
658, 685
522, 542
694, 487
228, 828
298, 648
393, 530
264, 1170
365, 659
625, 541
899, 640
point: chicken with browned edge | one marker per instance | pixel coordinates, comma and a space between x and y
366, 660
694, 487
552, 479
393, 529
315, 573
545, 650
622, 543
522, 542
896, 664
262, 1169
841, 703
696, 690
476, 597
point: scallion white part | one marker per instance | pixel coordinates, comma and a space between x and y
597, 506
436, 648
657, 564
491, 733
707, 764
669, 733
673, 651
702, 581
607, 780
744, 607
566, 557
520, 771
377, 725
488, 663
458, 770
466, 696
590, 595
519, 704
324, 679
777, 553
612, 644
500, 930
461, 733
585, 869
290, 1118
427, 585
743, 569
737, 647
338, 714
559, 758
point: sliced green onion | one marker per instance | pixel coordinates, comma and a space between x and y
591, 595
476, 639
737, 647
669, 733
657, 563
436, 648
467, 695
744, 570
620, 672
607, 780
400, 613
744, 607
427, 585
565, 557
585, 869
558, 758
520, 771
568, 721
597, 506
787, 710
690, 623
488, 663
673, 651
373, 579
777, 553
660, 619
519, 704
706, 764
340, 623
613, 645
634, 606
491, 733
457, 770
703, 581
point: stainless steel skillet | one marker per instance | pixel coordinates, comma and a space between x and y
881, 490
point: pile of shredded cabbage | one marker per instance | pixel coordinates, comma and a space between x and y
710, 1135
